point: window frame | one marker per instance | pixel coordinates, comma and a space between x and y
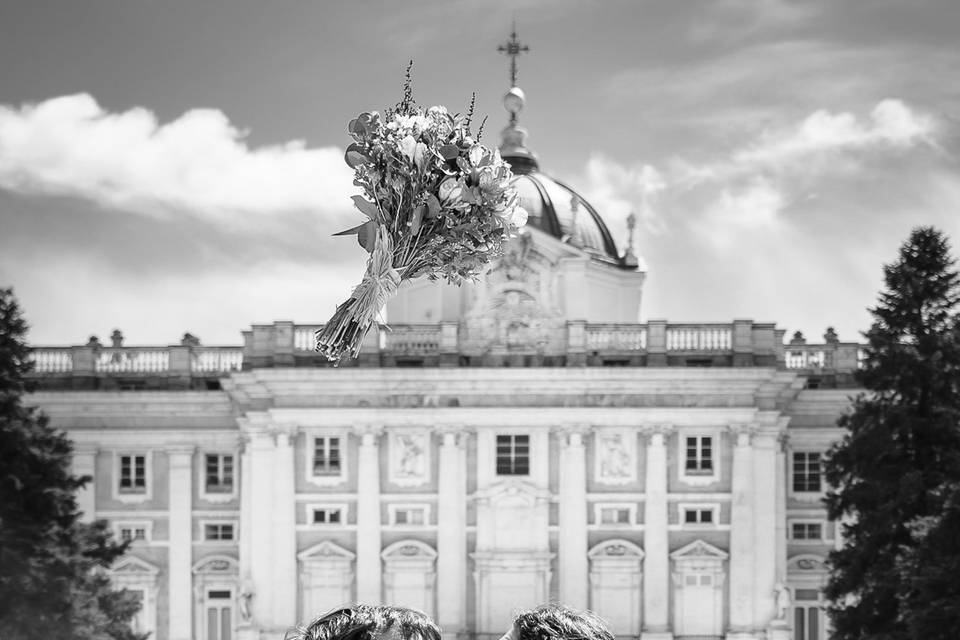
807, 522
218, 496
793, 474
712, 508
147, 525
629, 507
127, 496
343, 507
496, 455
394, 508
235, 539
698, 478
309, 449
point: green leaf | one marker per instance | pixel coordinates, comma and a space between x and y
449, 151
433, 207
354, 156
366, 207
416, 219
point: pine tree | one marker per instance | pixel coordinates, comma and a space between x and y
52, 580
895, 472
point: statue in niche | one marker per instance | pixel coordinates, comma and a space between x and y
614, 459
411, 456
246, 595
783, 600
514, 261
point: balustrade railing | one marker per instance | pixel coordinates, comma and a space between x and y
700, 338
132, 360
216, 359
412, 339
305, 337
616, 337
52, 359
806, 358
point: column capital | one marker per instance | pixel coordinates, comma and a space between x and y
369, 434
452, 434
284, 433
743, 433
656, 433
573, 434
180, 452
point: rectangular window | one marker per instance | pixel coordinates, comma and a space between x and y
326, 456
513, 455
699, 458
133, 474
219, 615
327, 516
806, 471
614, 515
698, 516
219, 473
133, 534
806, 531
415, 516
218, 532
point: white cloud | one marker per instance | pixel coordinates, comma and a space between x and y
198, 163
617, 190
891, 123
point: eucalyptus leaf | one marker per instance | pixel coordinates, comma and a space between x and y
354, 156
366, 207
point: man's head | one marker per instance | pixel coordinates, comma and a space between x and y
366, 622
557, 622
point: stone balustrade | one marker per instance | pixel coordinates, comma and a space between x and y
657, 343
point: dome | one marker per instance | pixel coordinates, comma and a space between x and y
556, 209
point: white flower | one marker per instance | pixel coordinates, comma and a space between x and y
519, 216
450, 191
408, 147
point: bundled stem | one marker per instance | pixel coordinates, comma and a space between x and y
345, 331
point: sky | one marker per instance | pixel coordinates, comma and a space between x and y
177, 166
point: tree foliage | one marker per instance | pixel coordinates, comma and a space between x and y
53, 584
896, 472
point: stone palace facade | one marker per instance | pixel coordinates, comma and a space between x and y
501, 445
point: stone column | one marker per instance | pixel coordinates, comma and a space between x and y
765, 561
260, 469
180, 563
742, 536
369, 571
572, 560
780, 629
452, 534
656, 563
85, 464
284, 551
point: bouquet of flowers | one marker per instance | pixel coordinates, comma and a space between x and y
438, 204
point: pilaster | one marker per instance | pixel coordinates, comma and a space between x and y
656, 542
261, 460
573, 561
245, 630
742, 534
180, 580
452, 532
85, 464
284, 551
369, 574
765, 534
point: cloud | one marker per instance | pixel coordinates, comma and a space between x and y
891, 124
198, 164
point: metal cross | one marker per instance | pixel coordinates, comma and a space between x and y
513, 48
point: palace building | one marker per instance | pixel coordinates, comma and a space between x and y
521, 440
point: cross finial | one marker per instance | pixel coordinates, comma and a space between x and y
513, 48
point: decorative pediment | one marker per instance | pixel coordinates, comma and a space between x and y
699, 550
513, 493
616, 549
806, 563
326, 550
409, 550
133, 566
216, 565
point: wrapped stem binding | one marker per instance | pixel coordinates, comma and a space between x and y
438, 204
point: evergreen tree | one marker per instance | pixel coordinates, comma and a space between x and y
52, 580
895, 472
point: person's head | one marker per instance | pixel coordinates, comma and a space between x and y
557, 622
368, 622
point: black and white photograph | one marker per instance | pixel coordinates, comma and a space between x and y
479, 320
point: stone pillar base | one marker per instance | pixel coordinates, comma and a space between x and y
248, 633
779, 630
743, 635
656, 635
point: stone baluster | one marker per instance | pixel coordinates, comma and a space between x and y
656, 564
369, 574
572, 548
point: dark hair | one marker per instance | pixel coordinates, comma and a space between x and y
368, 622
557, 622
